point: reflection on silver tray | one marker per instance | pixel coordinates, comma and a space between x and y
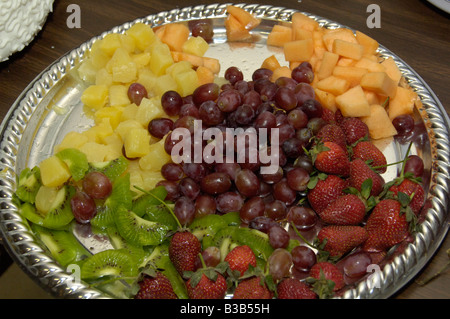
32, 128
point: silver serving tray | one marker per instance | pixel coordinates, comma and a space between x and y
50, 107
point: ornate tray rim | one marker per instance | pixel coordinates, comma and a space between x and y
21, 245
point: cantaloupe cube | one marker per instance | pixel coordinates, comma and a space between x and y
71, 140
353, 103
348, 49
54, 172
380, 83
143, 35
350, 73
204, 75
370, 45
161, 59
212, 63
279, 35
148, 110
300, 20
155, 158
95, 96
270, 63
282, 71
194, 60
402, 103
340, 33
187, 82
165, 83
235, 31
333, 85
298, 50
327, 99
245, 18
110, 43
137, 142
379, 123
370, 65
301, 34
327, 65
175, 35
118, 95
392, 69
195, 45
372, 97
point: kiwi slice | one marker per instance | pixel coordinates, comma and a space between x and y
256, 240
121, 196
54, 205
224, 239
112, 169
205, 225
137, 230
152, 197
76, 161
29, 184
109, 263
29, 211
62, 244
160, 214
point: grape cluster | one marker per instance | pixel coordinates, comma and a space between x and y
263, 200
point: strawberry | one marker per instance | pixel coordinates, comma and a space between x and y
157, 286
367, 151
348, 209
354, 129
252, 288
325, 192
326, 278
330, 158
291, 288
342, 239
328, 115
184, 248
240, 257
360, 172
411, 188
338, 117
387, 225
206, 287
332, 133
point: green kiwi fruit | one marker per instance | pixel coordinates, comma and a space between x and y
109, 263
161, 214
28, 184
137, 230
76, 161
153, 197
256, 240
121, 196
54, 205
224, 239
210, 224
112, 169
62, 244
29, 211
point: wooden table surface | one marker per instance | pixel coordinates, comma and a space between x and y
415, 30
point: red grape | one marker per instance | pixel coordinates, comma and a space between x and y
136, 92
83, 207
97, 185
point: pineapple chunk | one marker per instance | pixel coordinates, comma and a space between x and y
137, 142
143, 35
150, 179
187, 82
98, 56
114, 114
148, 110
72, 140
125, 126
161, 59
155, 158
353, 103
54, 172
147, 79
95, 152
110, 43
87, 72
95, 96
195, 45
129, 112
118, 95
141, 59
122, 67
127, 42
165, 83
178, 67
379, 123
103, 77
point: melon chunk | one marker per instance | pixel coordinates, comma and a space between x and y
380, 83
350, 73
331, 35
353, 103
300, 20
271, 63
348, 49
327, 99
175, 35
298, 50
279, 35
392, 69
236, 31
402, 103
327, 65
333, 85
245, 18
379, 123
370, 45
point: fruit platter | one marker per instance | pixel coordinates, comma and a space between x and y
225, 152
